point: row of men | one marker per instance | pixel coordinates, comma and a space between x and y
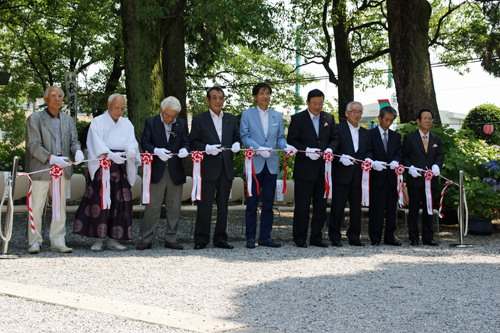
51, 137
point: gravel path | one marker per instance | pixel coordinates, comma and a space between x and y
289, 289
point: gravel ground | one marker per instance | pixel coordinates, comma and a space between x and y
290, 289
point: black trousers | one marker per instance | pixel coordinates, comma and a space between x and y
342, 193
383, 202
204, 212
304, 191
416, 198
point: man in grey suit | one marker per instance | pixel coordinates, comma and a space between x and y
211, 131
262, 129
50, 139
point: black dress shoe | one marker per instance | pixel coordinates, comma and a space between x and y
224, 245
199, 246
299, 244
337, 243
430, 243
375, 243
356, 243
319, 244
393, 243
414, 243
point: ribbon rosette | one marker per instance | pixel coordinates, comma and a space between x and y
400, 186
56, 173
249, 154
196, 157
105, 164
146, 159
366, 166
284, 173
328, 157
428, 175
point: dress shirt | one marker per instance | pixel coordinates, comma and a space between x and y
217, 119
422, 135
382, 135
56, 128
315, 121
264, 118
355, 136
168, 127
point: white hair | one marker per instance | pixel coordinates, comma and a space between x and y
171, 103
112, 97
46, 93
348, 107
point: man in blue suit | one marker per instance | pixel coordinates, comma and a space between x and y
163, 135
262, 129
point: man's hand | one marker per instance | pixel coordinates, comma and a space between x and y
116, 157
413, 172
183, 153
79, 157
131, 154
59, 160
290, 149
263, 151
394, 165
236, 147
346, 160
163, 154
379, 166
311, 153
435, 170
213, 149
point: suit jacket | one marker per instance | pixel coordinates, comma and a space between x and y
154, 136
346, 174
301, 134
203, 132
41, 142
394, 153
252, 136
414, 154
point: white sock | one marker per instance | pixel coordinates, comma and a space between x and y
115, 243
97, 245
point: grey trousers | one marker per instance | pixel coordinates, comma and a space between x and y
172, 194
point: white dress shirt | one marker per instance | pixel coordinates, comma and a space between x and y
264, 118
313, 119
168, 127
217, 119
355, 136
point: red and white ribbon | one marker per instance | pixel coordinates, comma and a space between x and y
428, 190
146, 159
328, 157
400, 186
196, 157
366, 166
56, 173
105, 164
441, 215
250, 171
284, 172
29, 202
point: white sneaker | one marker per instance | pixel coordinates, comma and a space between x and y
113, 244
34, 248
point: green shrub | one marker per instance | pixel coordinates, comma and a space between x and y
481, 115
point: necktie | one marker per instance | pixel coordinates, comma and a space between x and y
385, 141
316, 124
425, 143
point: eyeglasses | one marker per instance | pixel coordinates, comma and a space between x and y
428, 119
167, 116
358, 113
316, 104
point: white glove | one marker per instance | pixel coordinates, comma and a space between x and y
394, 165
413, 172
435, 170
369, 160
264, 151
213, 149
311, 155
59, 160
116, 157
79, 157
345, 160
163, 154
131, 154
379, 166
236, 147
290, 148
183, 153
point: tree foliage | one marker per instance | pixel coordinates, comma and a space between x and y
481, 115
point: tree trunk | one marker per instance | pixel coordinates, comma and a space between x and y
174, 65
142, 41
409, 44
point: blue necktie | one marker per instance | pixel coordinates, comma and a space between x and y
316, 124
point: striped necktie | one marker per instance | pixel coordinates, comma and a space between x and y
425, 143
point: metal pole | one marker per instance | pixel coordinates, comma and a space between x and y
461, 211
9, 216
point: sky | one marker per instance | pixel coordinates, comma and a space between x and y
454, 92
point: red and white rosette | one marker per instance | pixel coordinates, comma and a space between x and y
250, 171
284, 173
105, 164
428, 175
328, 157
146, 159
29, 202
196, 157
402, 201
441, 215
366, 166
56, 173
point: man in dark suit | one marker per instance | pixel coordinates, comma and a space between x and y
313, 131
211, 131
354, 143
386, 147
422, 149
163, 135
